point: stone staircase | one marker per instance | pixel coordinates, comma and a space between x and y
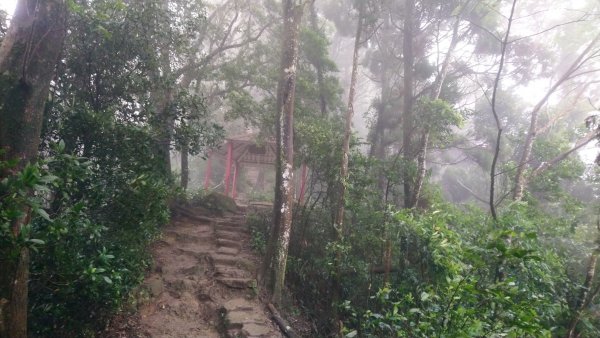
203, 283
235, 268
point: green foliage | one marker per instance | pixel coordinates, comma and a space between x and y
259, 224
438, 116
22, 193
451, 284
454, 273
95, 239
550, 185
88, 243
192, 127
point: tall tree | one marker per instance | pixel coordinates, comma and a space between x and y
408, 92
339, 218
28, 57
344, 173
425, 134
503, 46
284, 195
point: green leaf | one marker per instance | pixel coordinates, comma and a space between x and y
36, 241
43, 214
107, 280
104, 32
48, 179
74, 7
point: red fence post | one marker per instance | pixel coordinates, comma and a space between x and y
235, 175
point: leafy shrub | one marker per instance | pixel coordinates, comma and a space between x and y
99, 214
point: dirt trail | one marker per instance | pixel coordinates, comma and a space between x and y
203, 283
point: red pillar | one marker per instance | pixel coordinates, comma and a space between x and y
235, 175
303, 178
228, 167
208, 172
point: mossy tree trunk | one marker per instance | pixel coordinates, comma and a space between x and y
28, 58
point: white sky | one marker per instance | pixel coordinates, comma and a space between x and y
8, 6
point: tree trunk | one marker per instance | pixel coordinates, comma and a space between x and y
339, 216
339, 219
185, 169
421, 169
28, 57
439, 84
407, 123
280, 235
163, 97
585, 296
384, 115
503, 47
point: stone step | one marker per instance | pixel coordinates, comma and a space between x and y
182, 212
227, 243
231, 228
236, 218
246, 323
224, 260
196, 254
188, 238
231, 223
256, 330
230, 272
237, 283
232, 236
228, 251
187, 226
238, 304
241, 318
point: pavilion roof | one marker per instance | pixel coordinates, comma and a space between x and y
247, 149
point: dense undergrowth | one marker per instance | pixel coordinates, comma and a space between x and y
451, 270
89, 232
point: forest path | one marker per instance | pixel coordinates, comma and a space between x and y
203, 283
